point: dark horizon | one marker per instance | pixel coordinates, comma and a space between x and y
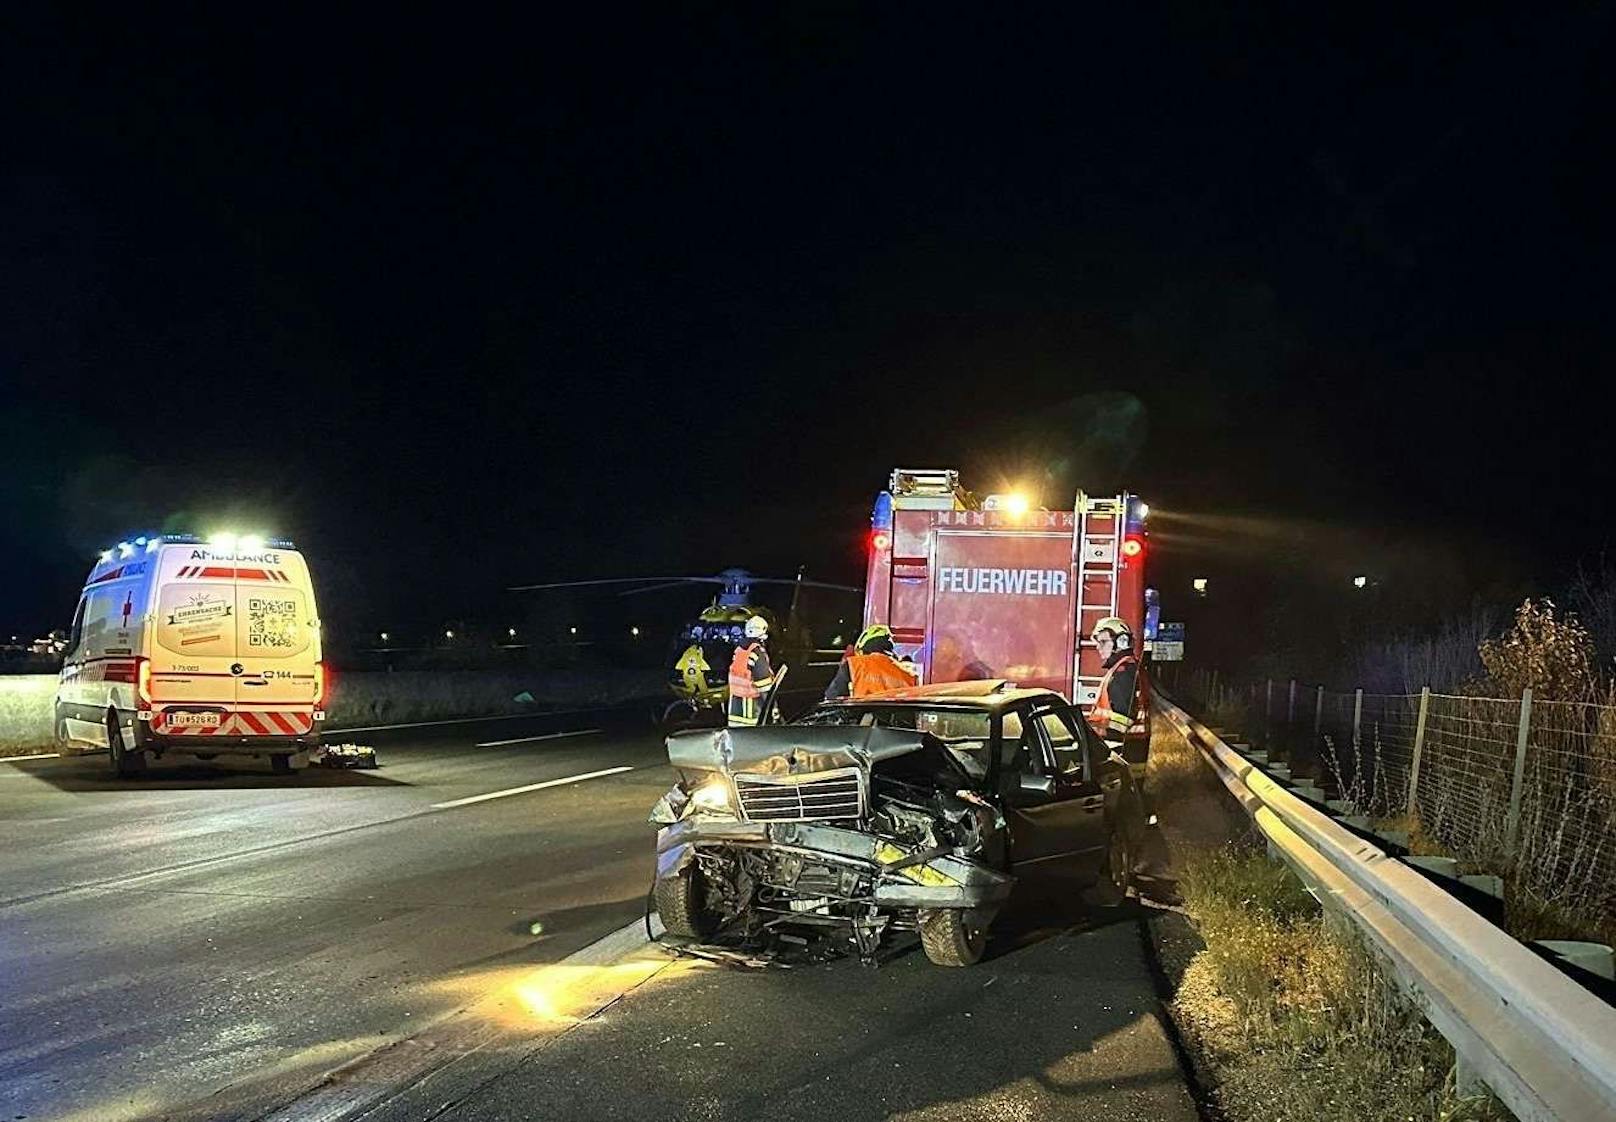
496, 305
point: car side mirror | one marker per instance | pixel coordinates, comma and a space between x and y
1034, 789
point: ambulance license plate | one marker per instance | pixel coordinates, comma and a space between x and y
195, 720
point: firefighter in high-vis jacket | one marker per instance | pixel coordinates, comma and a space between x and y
873, 668
750, 674
1113, 710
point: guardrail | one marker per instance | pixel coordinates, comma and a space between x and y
1543, 1044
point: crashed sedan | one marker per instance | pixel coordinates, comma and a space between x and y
916, 810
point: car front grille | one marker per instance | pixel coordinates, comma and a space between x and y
799, 798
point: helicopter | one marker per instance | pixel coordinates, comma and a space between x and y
699, 676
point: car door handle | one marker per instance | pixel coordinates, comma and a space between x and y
1092, 802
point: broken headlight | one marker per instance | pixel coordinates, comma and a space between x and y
712, 795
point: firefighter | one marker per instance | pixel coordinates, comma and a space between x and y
750, 674
1113, 709
874, 669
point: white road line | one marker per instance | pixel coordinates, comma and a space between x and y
545, 736
471, 720
35, 756
531, 787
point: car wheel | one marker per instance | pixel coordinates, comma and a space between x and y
126, 762
1116, 878
949, 938
681, 902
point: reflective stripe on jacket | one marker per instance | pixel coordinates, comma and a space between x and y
876, 673
1105, 719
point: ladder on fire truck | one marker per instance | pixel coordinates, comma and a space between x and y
1095, 545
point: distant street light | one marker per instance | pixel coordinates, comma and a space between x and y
1199, 584
384, 636
1360, 582
574, 630
511, 631
448, 634
634, 631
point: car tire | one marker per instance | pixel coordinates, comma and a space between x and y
126, 763
681, 902
1116, 876
949, 938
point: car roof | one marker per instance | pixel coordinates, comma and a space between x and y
993, 694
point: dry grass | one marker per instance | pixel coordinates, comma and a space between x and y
1298, 1020
25, 713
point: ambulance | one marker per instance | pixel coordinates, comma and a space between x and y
980, 587
196, 647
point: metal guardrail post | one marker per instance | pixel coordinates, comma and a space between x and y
1318, 716
1513, 825
1290, 710
1357, 718
1419, 747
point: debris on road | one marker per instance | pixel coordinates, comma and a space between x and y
344, 755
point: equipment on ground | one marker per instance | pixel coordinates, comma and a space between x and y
997, 587
344, 756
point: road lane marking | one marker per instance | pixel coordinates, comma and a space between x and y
531, 787
477, 720
35, 756
543, 736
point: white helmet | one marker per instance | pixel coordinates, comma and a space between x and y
757, 628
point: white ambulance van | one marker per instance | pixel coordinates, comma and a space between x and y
194, 647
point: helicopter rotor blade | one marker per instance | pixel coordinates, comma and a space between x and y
804, 583
609, 580
682, 582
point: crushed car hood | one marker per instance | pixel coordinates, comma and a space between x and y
798, 749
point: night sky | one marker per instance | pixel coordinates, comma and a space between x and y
460, 303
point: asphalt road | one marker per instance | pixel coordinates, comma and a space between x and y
210, 942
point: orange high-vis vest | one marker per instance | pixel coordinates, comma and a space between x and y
1103, 718
876, 673
740, 674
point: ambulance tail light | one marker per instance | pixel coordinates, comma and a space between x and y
143, 697
1133, 547
322, 684
880, 541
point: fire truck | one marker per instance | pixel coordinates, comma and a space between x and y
994, 587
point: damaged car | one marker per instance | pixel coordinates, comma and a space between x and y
911, 811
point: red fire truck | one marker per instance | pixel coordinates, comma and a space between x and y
992, 587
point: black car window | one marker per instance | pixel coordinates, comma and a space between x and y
1022, 751
1066, 740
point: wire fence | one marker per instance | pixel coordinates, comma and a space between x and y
1508, 785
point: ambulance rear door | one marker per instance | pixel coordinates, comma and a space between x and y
277, 644
192, 643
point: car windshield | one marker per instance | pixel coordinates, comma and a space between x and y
965, 731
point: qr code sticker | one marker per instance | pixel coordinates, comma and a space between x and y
271, 623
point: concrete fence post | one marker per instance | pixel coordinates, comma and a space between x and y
1268, 699
1512, 827
1419, 748
1290, 709
1357, 718
1318, 716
